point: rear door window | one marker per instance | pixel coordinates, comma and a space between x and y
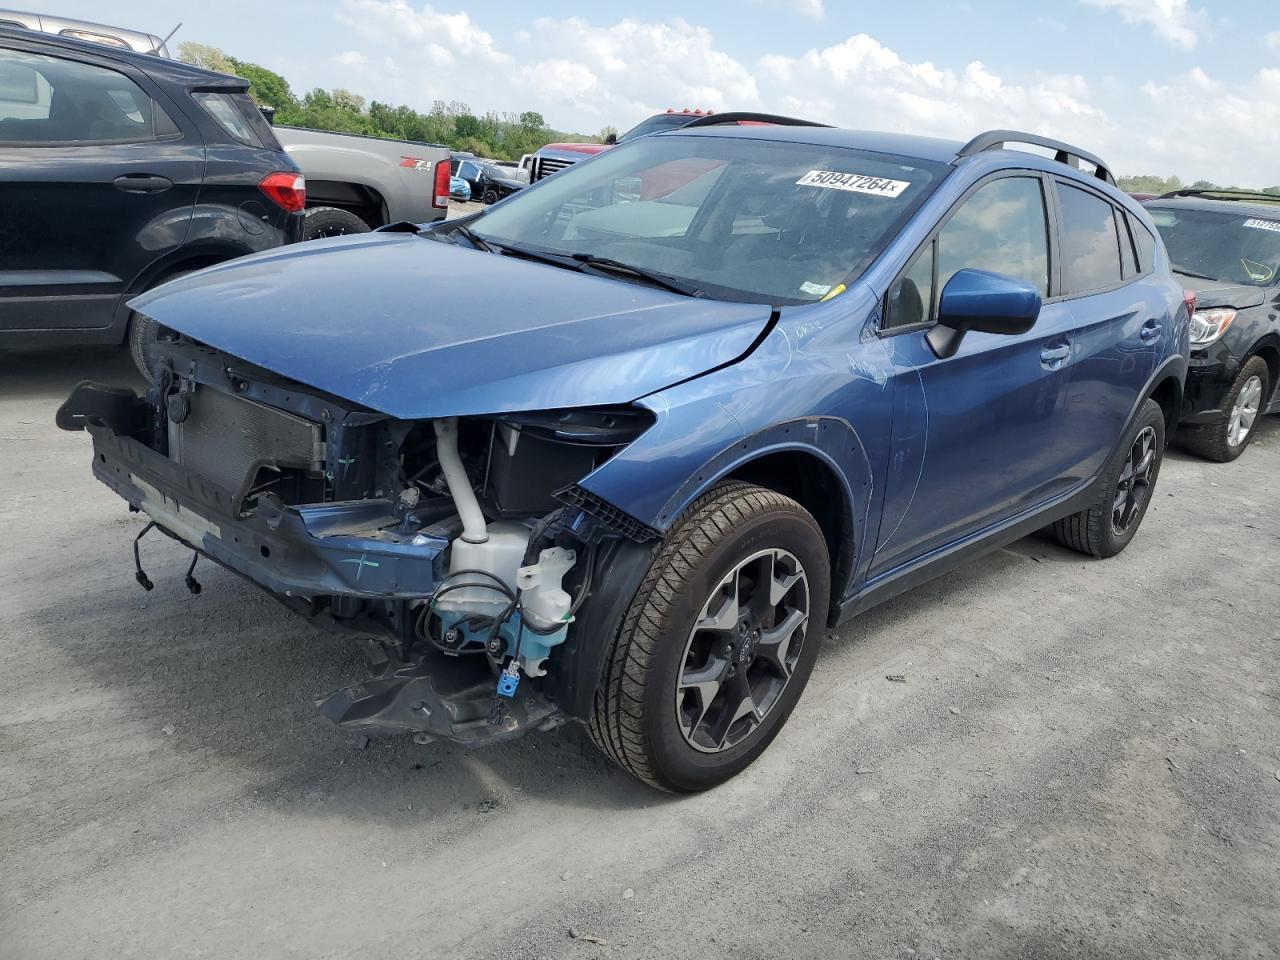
49, 101
1090, 244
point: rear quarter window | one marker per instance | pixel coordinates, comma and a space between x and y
240, 117
1146, 245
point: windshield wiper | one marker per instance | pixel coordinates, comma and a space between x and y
1192, 273
475, 239
657, 279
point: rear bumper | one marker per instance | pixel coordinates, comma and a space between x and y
334, 549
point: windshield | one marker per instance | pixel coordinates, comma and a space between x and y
663, 121
1236, 247
738, 219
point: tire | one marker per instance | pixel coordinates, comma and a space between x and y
320, 222
1098, 531
650, 718
491, 196
1229, 435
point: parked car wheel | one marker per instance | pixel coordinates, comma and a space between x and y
1106, 528
718, 643
331, 222
490, 196
1227, 437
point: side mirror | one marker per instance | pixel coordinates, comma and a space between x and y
983, 301
611, 138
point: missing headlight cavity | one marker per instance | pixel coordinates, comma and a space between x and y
520, 461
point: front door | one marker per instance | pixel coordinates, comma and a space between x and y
974, 434
97, 181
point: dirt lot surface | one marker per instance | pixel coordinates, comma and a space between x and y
1084, 761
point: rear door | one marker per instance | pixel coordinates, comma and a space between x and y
973, 434
1117, 326
99, 175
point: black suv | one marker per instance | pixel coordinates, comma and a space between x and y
1225, 245
119, 171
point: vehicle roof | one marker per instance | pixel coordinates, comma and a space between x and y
163, 68
932, 149
54, 24
1261, 207
902, 144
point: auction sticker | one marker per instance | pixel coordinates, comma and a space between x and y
1263, 225
853, 182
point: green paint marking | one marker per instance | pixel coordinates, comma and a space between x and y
361, 563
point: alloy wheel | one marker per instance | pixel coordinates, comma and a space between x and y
742, 650
1245, 412
1135, 481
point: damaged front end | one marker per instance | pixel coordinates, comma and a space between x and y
463, 548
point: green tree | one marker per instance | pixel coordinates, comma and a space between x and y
207, 57
452, 123
268, 88
465, 125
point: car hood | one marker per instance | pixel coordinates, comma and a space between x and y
1222, 293
417, 328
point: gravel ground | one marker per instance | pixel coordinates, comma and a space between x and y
1083, 762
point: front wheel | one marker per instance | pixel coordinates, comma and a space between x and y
718, 643
1226, 438
1124, 493
490, 196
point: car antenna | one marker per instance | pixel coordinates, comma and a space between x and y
156, 48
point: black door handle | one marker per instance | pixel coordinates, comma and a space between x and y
142, 183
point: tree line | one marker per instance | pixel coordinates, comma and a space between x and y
502, 136
1150, 183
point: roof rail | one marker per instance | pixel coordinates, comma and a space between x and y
1063, 152
746, 116
1221, 193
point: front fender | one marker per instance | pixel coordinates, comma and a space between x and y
814, 386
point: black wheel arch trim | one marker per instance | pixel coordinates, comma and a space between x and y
835, 444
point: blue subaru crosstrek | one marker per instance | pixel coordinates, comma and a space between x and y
621, 447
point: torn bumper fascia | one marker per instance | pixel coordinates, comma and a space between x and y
294, 551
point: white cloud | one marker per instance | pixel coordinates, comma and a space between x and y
1273, 39
1175, 21
582, 76
350, 58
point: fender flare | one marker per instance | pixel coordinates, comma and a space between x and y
830, 440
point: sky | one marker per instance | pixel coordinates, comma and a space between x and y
1153, 86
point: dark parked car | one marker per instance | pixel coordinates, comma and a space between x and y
672, 440
120, 171
487, 183
1225, 245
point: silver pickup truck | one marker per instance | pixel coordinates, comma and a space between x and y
356, 183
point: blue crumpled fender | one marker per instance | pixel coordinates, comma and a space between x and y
819, 383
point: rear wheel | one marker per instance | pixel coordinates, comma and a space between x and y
719, 642
1124, 494
323, 222
1226, 438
